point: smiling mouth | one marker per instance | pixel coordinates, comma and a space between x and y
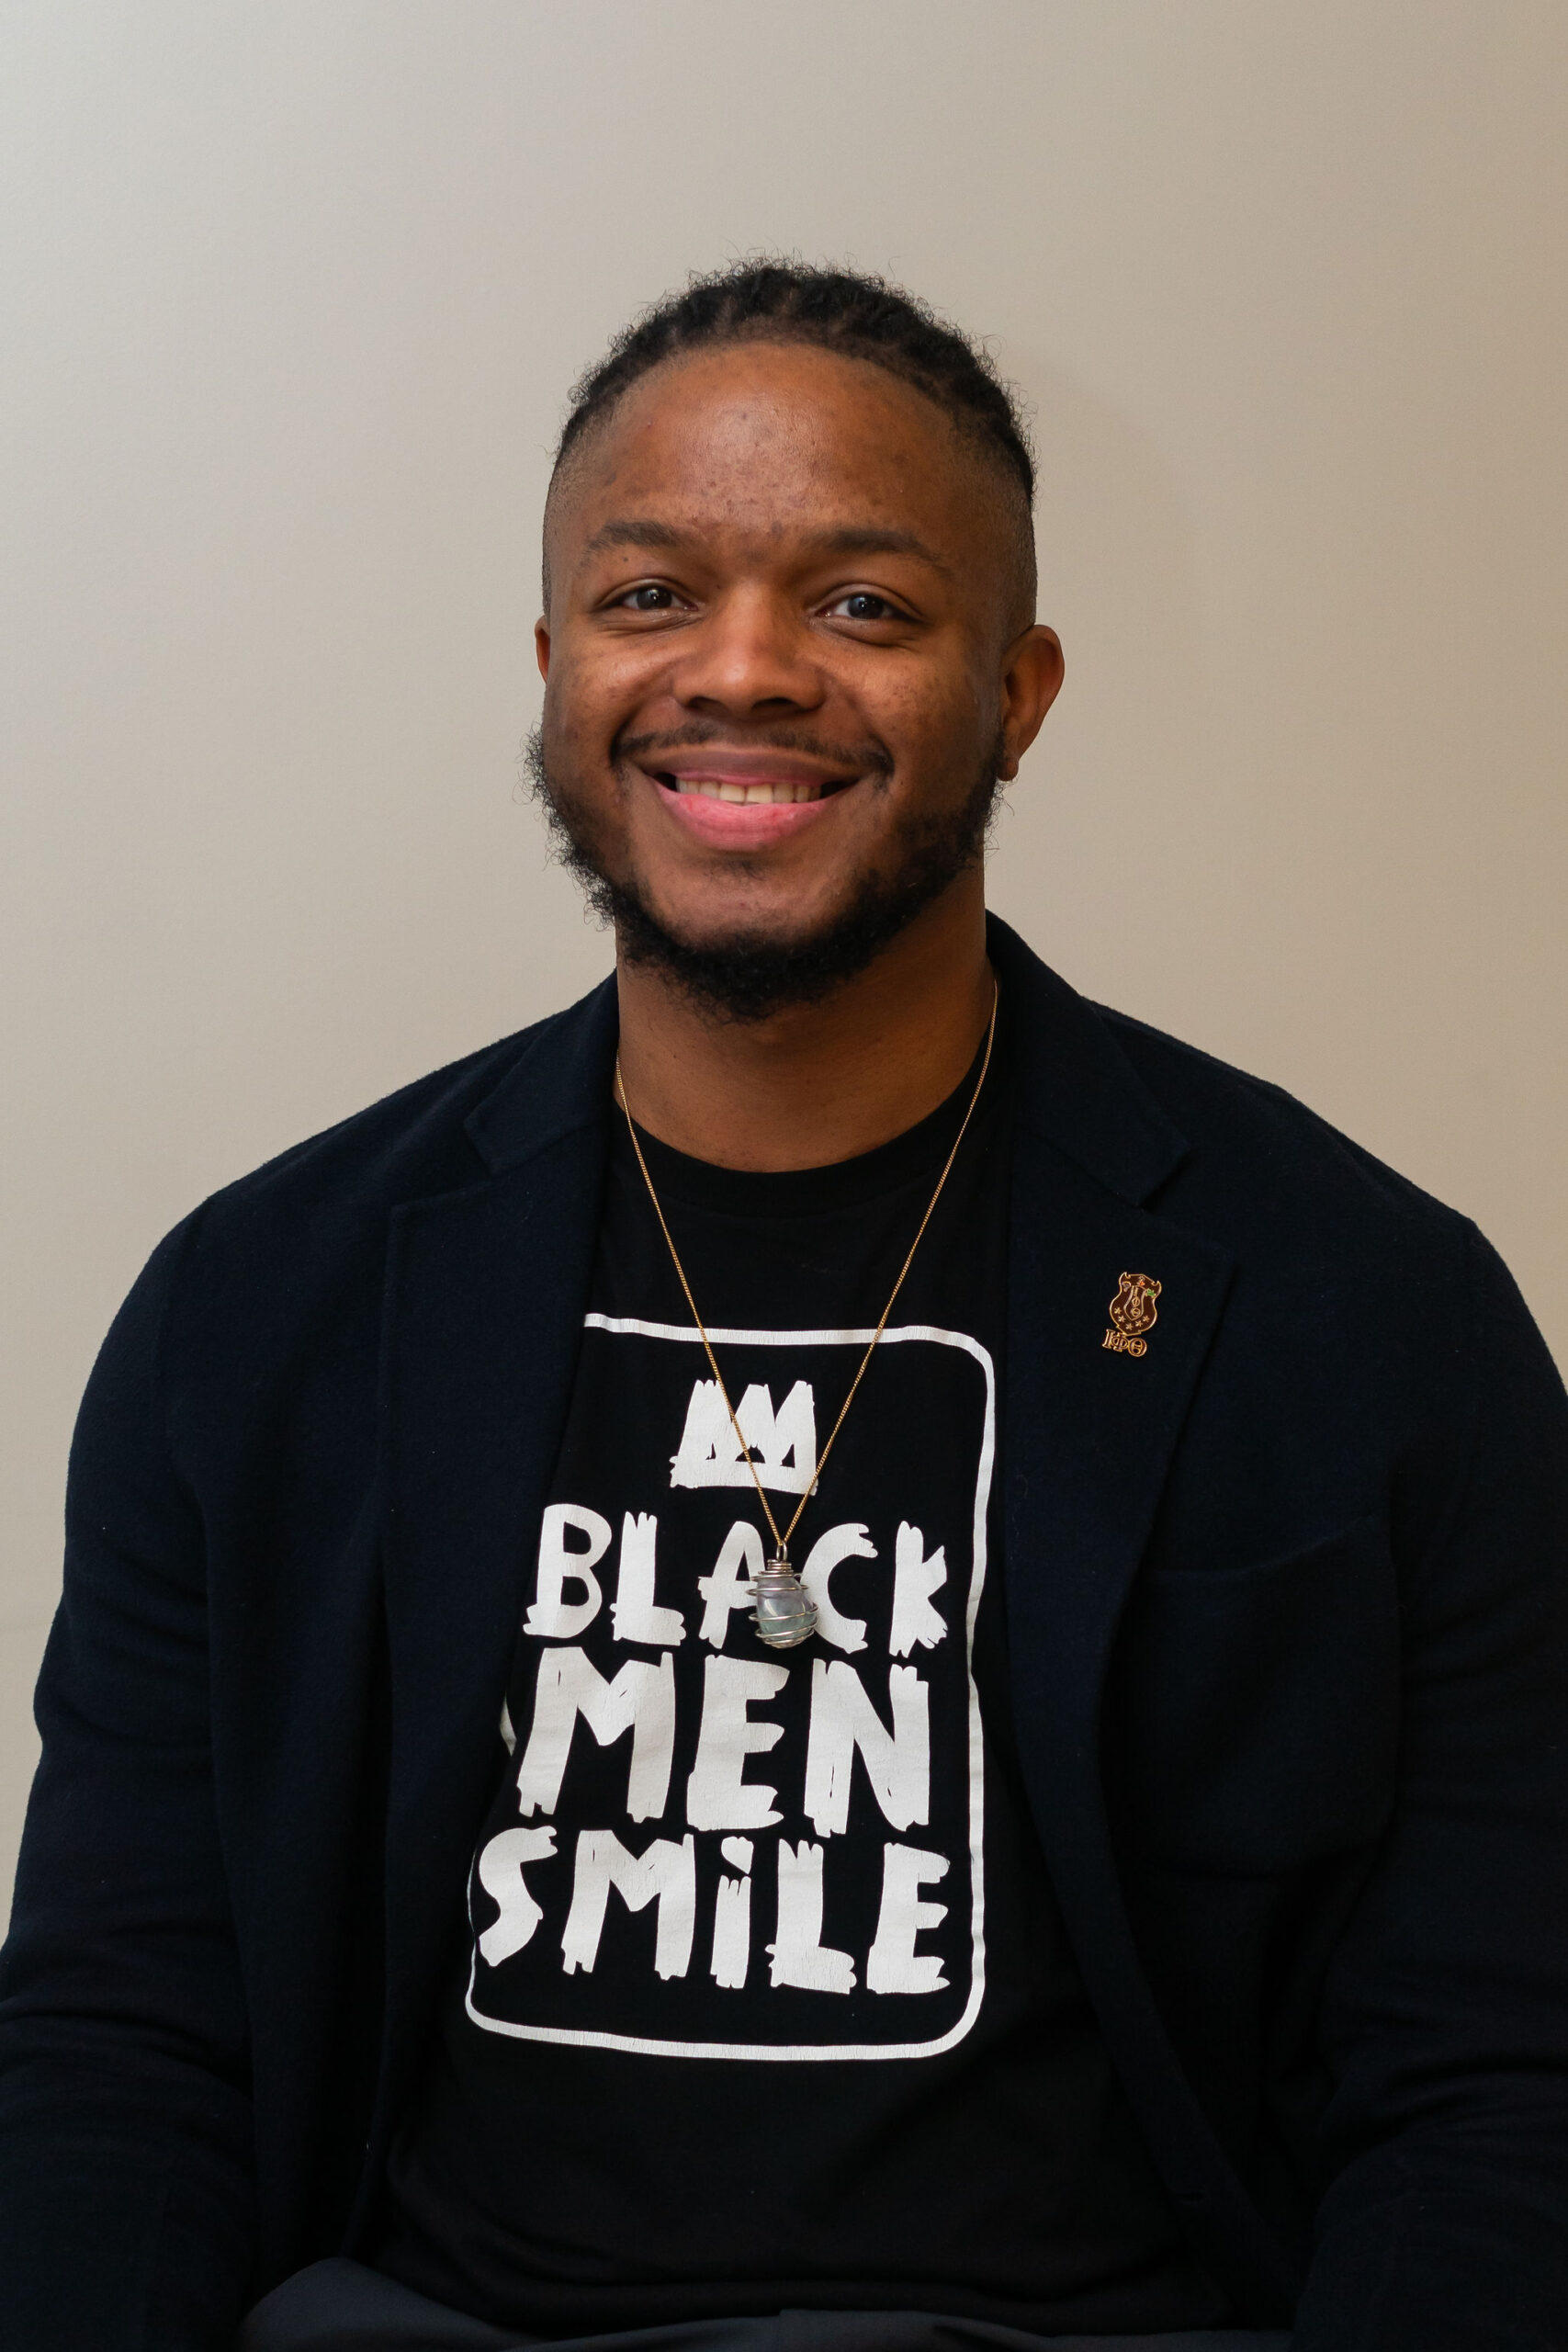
781, 795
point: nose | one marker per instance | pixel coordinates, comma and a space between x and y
750, 657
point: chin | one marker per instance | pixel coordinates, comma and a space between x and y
720, 930
750, 969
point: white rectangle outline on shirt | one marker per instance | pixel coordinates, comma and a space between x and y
805, 2052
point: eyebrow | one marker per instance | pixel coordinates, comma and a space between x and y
636, 531
855, 538
867, 538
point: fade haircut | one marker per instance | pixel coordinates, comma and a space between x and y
840, 310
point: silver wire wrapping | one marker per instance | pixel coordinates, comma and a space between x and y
784, 1612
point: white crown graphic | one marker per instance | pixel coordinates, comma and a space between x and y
782, 1444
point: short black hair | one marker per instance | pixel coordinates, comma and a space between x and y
843, 311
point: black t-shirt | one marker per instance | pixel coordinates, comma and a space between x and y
764, 2001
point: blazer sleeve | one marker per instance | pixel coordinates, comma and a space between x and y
1445, 2022
125, 2126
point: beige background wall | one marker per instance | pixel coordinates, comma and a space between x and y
292, 292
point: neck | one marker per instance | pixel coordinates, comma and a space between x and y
818, 1082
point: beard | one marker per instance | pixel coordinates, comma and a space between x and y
748, 976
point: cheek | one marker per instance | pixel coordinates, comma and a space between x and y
936, 724
590, 697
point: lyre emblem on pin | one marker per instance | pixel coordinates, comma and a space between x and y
1133, 1312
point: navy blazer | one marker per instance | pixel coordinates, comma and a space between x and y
1289, 1632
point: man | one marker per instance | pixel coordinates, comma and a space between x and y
837, 1652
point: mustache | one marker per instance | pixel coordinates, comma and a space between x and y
869, 759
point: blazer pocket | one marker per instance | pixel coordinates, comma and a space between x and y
1254, 1717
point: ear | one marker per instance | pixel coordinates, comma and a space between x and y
1031, 679
542, 646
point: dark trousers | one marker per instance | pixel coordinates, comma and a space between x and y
339, 2306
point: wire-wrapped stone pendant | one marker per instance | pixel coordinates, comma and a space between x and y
784, 1612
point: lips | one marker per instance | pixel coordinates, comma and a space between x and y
744, 814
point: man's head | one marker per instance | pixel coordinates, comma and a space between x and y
788, 641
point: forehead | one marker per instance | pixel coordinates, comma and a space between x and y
756, 438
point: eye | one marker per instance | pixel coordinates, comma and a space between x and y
648, 595
861, 605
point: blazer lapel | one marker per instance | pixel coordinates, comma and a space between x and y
487, 1289
1088, 1435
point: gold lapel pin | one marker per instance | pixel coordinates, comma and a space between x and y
1133, 1312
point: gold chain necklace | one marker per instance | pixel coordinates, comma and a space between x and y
784, 1610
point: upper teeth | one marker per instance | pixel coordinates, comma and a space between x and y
758, 796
